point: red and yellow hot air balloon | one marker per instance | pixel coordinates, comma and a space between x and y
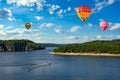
27, 25
83, 12
103, 25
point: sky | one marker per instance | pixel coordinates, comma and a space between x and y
56, 21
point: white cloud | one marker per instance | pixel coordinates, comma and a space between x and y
53, 8
49, 25
21, 2
28, 3
38, 17
39, 6
115, 27
3, 33
8, 11
111, 1
99, 5
72, 37
24, 2
69, 8
78, 39
31, 9
57, 40
118, 36
59, 13
11, 18
6, 14
64, 11
90, 25
18, 32
9, 27
99, 37
110, 24
46, 25
75, 8
58, 10
74, 28
42, 25
59, 30
1, 26
107, 37
86, 38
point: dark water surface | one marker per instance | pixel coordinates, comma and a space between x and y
13, 67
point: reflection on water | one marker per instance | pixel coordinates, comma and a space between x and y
13, 67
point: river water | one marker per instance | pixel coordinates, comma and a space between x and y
13, 66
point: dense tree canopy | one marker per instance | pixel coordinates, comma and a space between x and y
94, 47
19, 45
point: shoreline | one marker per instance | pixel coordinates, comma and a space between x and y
86, 54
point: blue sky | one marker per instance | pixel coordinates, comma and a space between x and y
56, 21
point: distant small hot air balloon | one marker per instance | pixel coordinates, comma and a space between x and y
103, 25
27, 25
83, 12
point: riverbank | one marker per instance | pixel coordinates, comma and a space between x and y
86, 54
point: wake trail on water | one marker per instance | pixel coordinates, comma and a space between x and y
40, 65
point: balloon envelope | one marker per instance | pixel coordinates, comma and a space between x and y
103, 25
83, 12
27, 25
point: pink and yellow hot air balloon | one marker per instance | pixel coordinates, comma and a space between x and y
103, 25
83, 12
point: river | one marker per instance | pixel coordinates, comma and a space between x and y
13, 66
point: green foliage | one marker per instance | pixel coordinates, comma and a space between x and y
19, 45
52, 44
93, 47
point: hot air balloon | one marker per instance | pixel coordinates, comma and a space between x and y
103, 25
27, 25
83, 12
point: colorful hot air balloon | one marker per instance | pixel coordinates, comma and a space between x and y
83, 12
103, 25
27, 25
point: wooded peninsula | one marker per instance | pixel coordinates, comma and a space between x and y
93, 47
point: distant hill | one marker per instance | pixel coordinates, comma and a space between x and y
19, 45
52, 44
112, 46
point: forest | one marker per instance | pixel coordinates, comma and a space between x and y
19, 45
112, 47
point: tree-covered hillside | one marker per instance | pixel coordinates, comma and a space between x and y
19, 45
52, 44
94, 47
